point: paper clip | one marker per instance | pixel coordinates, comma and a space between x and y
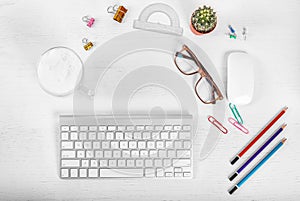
237, 125
87, 45
88, 20
119, 12
236, 113
217, 124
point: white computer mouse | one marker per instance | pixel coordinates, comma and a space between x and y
240, 78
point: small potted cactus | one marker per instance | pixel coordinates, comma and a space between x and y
203, 20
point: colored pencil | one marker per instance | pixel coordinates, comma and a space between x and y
257, 152
237, 157
266, 158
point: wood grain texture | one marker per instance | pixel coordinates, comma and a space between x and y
29, 116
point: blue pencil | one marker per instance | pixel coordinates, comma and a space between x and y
257, 152
271, 153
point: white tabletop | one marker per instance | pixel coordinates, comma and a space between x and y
29, 116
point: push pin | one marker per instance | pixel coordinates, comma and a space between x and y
88, 20
119, 12
87, 45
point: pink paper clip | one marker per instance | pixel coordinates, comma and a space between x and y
217, 124
88, 20
237, 125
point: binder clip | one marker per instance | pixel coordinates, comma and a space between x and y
87, 44
119, 12
89, 21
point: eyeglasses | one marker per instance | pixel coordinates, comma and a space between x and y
205, 88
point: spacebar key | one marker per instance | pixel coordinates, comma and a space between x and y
121, 172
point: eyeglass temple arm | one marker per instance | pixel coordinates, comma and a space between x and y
179, 54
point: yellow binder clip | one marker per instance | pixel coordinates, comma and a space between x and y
118, 11
87, 44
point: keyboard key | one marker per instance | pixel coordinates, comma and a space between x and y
74, 128
130, 128
92, 128
144, 153
94, 163
158, 163
130, 163
183, 153
107, 154
164, 135
93, 173
121, 172
150, 172
168, 174
98, 154
181, 162
126, 154
103, 163
155, 135
184, 135
139, 163
74, 136
167, 127
158, 128
119, 136
82, 172
177, 144
64, 135
78, 145
64, 128
85, 163
123, 144
109, 135
101, 136
137, 135
171, 154
132, 144
111, 128
186, 127
160, 172
162, 153
105, 144
167, 162
121, 163
178, 174
68, 154
146, 135
82, 136
74, 173
140, 127
64, 173
159, 144
121, 128
148, 163
66, 145
128, 135
141, 144
117, 154
96, 145
177, 127
186, 144
150, 144
102, 128
92, 135
177, 169
89, 154
114, 144
70, 163
187, 174
153, 153
135, 153
112, 163
149, 128
87, 145
83, 128
173, 135
169, 144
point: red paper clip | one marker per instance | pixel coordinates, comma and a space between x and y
237, 125
217, 124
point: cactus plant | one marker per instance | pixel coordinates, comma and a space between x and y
203, 20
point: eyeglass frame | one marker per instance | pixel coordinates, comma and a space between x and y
203, 73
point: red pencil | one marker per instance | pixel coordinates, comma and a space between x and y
258, 136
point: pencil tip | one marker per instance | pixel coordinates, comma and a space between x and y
283, 140
284, 125
285, 108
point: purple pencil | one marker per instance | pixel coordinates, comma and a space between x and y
257, 152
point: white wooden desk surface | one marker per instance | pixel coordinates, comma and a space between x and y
29, 116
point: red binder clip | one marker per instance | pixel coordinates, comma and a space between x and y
88, 20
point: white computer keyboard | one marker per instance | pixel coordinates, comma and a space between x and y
108, 147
